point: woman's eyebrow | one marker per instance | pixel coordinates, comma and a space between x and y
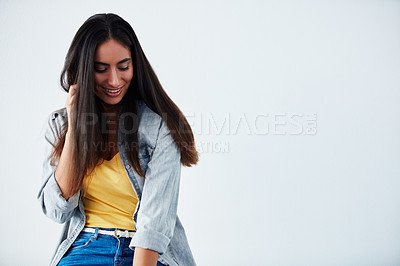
104, 64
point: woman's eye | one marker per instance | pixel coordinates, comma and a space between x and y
100, 70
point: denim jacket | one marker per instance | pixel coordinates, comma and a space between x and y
155, 218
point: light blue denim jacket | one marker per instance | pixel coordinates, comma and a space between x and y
157, 224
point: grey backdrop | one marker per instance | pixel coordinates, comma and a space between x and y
295, 110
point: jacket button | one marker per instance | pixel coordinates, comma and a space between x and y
128, 166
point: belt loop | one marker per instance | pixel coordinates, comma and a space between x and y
116, 231
96, 233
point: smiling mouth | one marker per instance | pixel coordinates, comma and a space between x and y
112, 92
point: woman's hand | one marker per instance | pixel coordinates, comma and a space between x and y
144, 257
63, 174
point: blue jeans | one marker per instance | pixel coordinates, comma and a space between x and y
99, 249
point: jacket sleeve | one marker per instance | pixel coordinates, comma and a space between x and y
50, 197
158, 207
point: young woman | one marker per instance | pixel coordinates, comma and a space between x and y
114, 155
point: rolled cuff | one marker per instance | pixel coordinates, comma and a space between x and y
54, 196
150, 239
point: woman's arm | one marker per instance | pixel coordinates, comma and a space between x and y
50, 196
55, 202
63, 172
145, 257
156, 218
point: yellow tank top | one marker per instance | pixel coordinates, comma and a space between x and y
108, 196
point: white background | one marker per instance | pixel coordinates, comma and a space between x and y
269, 188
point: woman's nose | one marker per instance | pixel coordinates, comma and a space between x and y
113, 78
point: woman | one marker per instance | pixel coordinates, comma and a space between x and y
114, 155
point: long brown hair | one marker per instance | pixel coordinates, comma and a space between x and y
78, 69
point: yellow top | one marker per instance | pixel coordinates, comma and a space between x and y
108, 196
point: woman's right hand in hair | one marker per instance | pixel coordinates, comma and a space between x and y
69, 104
63, 173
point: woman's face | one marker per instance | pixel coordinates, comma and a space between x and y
113, 72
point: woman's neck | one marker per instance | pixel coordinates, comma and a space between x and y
111, 109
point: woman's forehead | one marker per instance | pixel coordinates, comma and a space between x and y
111, 52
